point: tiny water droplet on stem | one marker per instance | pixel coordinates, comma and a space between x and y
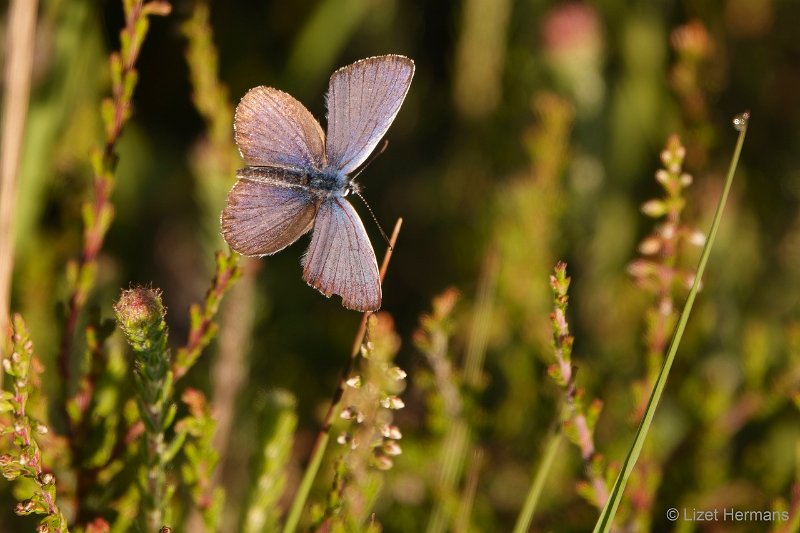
740, 121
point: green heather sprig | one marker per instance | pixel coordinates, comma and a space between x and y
22, 372
445, 390
214, 158
432, 338
658, 270
528, 210
527, 223
370, 438
577, 420
97, 333
690, 77
94, 414
213, 163
201, 458
209, 95
140, 315
203, 329
277, 428
580, 419
103, 461
98, 212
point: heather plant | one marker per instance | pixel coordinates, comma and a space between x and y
447, 388
25, 460
580, 415
369, 436
160, 382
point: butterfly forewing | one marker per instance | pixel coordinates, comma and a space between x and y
340, 259
264, 216
274, 129
363, 100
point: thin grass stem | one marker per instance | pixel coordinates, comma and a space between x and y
20, 38
526, 514
324, 435
482, 320
467, 502
606, 518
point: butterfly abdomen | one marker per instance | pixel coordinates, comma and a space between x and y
277, 175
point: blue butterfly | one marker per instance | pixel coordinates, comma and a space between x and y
297, 177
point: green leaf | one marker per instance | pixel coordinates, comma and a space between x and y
108, 111
174, 447
131, 78
169, 417
6, 406
115, 66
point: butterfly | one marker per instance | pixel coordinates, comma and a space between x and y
297, 177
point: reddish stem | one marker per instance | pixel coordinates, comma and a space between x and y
194, 341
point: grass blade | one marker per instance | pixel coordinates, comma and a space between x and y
526, 515
607, 516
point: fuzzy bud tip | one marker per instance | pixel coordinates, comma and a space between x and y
139, 306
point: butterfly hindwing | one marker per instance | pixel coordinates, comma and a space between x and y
340, 259
262, 217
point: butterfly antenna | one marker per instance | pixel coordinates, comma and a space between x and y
372, 158
383, 233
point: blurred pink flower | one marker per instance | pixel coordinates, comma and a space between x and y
573, 48
572, 27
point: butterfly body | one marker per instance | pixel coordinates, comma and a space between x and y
322, 183
297, 178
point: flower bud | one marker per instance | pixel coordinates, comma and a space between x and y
392, 402
654, 208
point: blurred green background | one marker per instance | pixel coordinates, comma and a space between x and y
531, 133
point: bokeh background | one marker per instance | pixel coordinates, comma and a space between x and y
531, 134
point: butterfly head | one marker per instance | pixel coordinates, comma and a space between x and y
352, 187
